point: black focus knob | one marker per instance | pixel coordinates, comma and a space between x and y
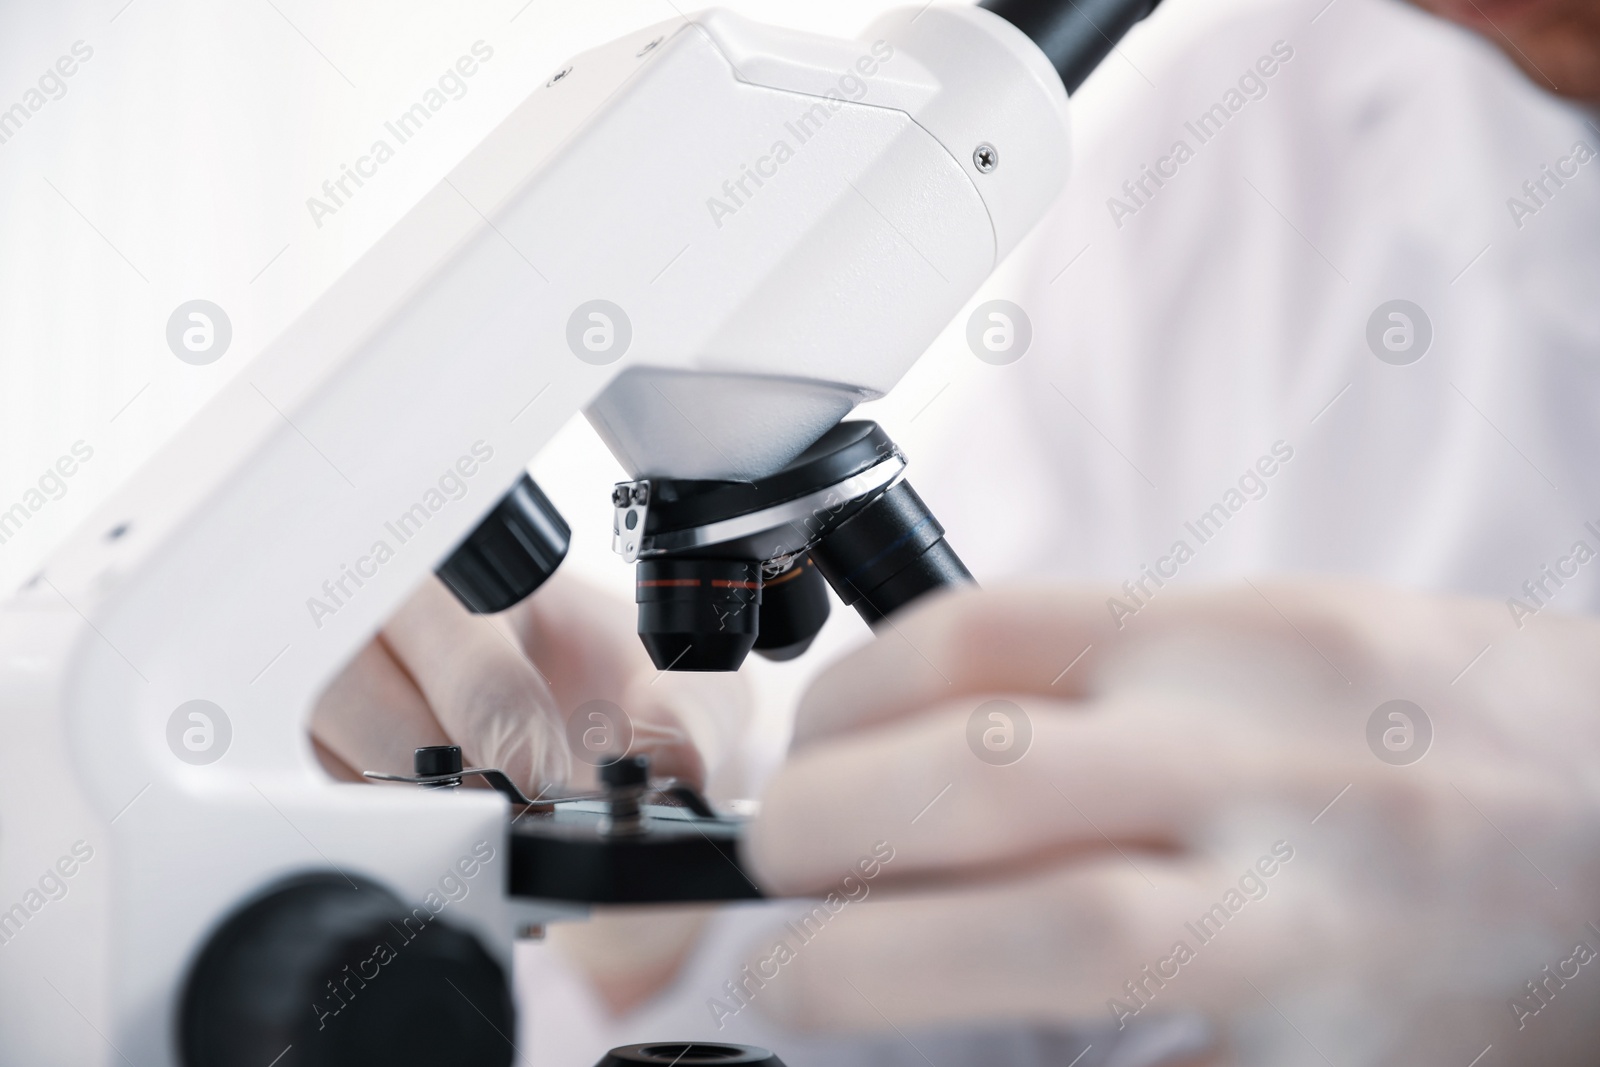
436, 759
514, 549
629, 770
689, 1054
323, 971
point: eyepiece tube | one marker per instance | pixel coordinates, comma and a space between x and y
1075, 34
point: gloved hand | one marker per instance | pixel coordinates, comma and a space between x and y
1212, 814
502, 687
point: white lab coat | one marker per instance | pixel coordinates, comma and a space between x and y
1223, 324
1227, 315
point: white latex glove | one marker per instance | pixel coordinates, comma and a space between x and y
502, 687
1212, 751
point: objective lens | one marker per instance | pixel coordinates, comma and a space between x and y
698, 614
794, 605
888, 554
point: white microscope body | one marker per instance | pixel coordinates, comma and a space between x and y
786, 223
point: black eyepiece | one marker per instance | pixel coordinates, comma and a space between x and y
888, 554
698, 614
514, 549
1075, 34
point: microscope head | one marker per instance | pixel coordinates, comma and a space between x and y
726, 567
871, 186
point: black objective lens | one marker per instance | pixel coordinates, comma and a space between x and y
705, 591
888, 554
698, 614
794, 605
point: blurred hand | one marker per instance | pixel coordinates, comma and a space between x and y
1212, 815
502, 687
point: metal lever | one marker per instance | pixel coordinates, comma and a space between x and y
493, 775
439, 767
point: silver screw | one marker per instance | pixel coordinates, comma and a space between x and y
986, 157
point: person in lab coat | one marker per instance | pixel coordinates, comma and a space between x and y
1286, 719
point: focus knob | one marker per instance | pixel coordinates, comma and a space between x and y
326, 972
514, 549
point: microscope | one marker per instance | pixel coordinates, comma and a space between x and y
712, 237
